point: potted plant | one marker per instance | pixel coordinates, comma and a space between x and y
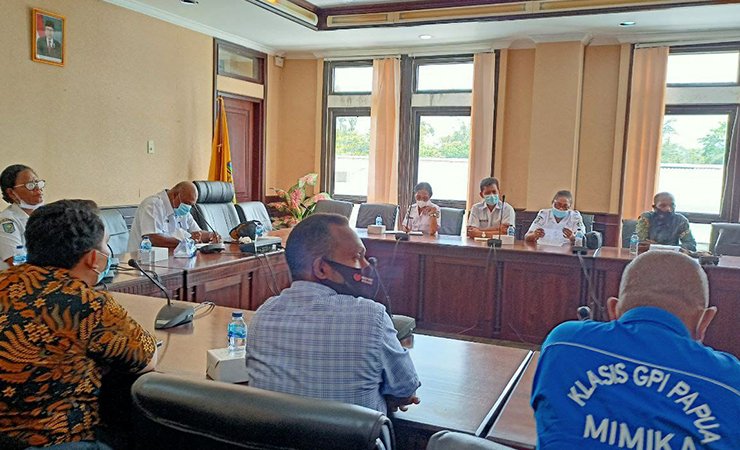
295, 204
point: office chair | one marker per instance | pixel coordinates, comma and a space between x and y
450, 440
335, 207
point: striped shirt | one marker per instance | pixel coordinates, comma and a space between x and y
313, 342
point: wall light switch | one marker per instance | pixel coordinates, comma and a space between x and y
150, 147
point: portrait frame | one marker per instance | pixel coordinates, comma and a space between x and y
48, 27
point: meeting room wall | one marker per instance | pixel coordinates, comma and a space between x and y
127, 79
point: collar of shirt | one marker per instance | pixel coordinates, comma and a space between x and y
483, 206
18, 211
655, 315
166, 203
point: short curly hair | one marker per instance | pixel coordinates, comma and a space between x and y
8, 177
60, 233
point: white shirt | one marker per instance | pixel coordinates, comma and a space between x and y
156, 216
553, 229
12, 226
418, 222
483, 218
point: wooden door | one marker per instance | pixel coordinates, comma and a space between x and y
244, 116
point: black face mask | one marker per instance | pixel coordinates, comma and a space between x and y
663, 215
357, 282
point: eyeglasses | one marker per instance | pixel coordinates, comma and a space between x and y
32, 185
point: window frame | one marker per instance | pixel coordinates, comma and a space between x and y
730, 185
437, 60
258, 57
417, 113
714, 48
331, 135
331, 66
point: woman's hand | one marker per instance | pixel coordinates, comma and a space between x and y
568, 234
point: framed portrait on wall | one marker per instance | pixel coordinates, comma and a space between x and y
48, 37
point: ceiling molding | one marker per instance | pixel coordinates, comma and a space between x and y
151, 11
474, 47
583, 38
679, 38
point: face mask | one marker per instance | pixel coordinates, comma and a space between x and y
422, 203
357, 282
182, 210
559, 214
106, 271
491, 199
25, 205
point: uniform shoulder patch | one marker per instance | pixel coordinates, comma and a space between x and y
8, 226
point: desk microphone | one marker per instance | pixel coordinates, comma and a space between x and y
584, 313
404, 325
404, 236
170, 315
497, 241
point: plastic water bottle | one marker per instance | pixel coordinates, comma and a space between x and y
145, 251
237, 332
579, 239
634, 241
19, 256
378, 220
511, 231
259, 230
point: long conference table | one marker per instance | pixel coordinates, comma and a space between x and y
450, 284
464, 384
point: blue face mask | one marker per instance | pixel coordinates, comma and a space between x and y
559, 214
106, 271
182, 210
491, 199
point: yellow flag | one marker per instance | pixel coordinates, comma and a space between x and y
220, 169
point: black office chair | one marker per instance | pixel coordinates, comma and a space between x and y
450, 440
334, 207
368, 212
451, 221
215, 209
116, 227
175, 413
588, 222
254, 211
628, 229
725, 239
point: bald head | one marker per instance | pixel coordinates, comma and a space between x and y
184, 192
667, 280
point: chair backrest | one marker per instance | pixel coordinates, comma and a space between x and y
628, 229
172, 412
725, 239
451, 221
215, 209
254, 211
588, 222
116, 227
334, 206
369, 211
451, 440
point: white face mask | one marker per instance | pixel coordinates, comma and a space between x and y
25, 205
422, 203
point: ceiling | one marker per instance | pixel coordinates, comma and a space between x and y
247, 24
335, 3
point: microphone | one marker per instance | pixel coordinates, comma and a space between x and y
404, 325
170, 315
584, 313
404, 235
497, 241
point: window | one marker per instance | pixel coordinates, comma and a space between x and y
237, 62
444, 77
703, 68
354, 79
351, 154
698, 153
442, 150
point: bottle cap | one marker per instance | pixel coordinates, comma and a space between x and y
237, 314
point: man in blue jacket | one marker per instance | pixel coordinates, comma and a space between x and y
644, 380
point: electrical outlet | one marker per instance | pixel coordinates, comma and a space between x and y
150, 147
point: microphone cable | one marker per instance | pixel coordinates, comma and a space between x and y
271, 279
590, 294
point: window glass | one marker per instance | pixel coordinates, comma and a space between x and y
353, 79
444, 151
703, 68
445, 77
692, 160
351, 150
235, 64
